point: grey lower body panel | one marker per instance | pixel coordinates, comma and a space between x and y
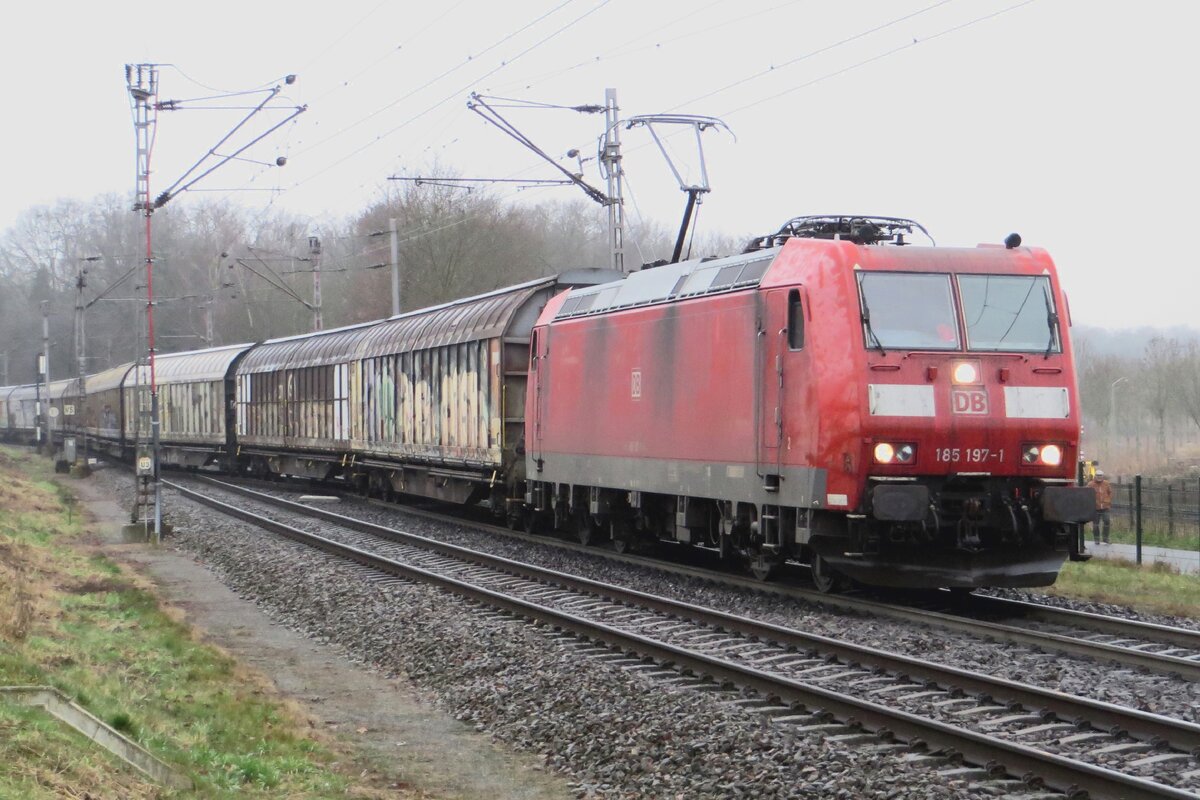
914, 568
800, 487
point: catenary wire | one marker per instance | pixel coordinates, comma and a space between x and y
627, 48
343, 36
827, 76
886, 54
790, 62
457, 93
429, 83
391, 52
819, 79
446, 73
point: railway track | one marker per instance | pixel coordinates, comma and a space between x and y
1131, 643
1073, 744
1170, 647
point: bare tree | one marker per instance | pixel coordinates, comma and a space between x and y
1160, 367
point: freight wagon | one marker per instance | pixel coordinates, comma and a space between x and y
427, 403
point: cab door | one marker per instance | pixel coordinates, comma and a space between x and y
781, 340
535, 401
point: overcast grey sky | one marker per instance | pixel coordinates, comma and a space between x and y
1071, 122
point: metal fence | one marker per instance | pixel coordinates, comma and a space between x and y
1157, 512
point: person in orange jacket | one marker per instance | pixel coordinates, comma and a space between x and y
1104, 495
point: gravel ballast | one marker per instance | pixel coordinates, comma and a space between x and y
613, 732
1134, 688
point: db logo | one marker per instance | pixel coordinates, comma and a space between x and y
969, 401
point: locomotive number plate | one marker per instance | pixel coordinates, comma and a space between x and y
968, 455
969, 401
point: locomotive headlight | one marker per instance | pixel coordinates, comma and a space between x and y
966, 372
888, 453
1047, 455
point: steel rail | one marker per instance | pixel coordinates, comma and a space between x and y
1115, 626
1167, 664
1139, 724
1179, 734
1184, 667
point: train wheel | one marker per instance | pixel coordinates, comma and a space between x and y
825, 577
532, 521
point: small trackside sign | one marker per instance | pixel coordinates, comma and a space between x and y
969, 401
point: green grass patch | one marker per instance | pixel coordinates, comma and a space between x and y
102, 639
43, 758
1155, 588
1184, 537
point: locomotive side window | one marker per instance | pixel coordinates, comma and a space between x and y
908, 311
1009, 313
795, 321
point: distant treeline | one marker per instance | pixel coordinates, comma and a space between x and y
247, 275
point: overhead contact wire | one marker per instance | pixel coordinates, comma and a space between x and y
881, 56
453, 95
469, 60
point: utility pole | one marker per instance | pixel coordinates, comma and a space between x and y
1112, 409
80, 354
395, 266
612, 167
80, 335
142, 81
314, 254
49, 446
4, 372
610, 164
208, 322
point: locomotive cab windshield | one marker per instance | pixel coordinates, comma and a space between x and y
919, 311
1011, 313
908, 311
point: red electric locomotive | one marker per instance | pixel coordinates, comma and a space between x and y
898, 415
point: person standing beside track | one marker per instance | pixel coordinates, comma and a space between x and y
1104, 495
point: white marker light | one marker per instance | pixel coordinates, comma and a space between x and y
966, 372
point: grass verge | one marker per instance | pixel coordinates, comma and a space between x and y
80, 623
1154, 588
1155, 533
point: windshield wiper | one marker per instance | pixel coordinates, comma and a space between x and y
1051, 321
866, 318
